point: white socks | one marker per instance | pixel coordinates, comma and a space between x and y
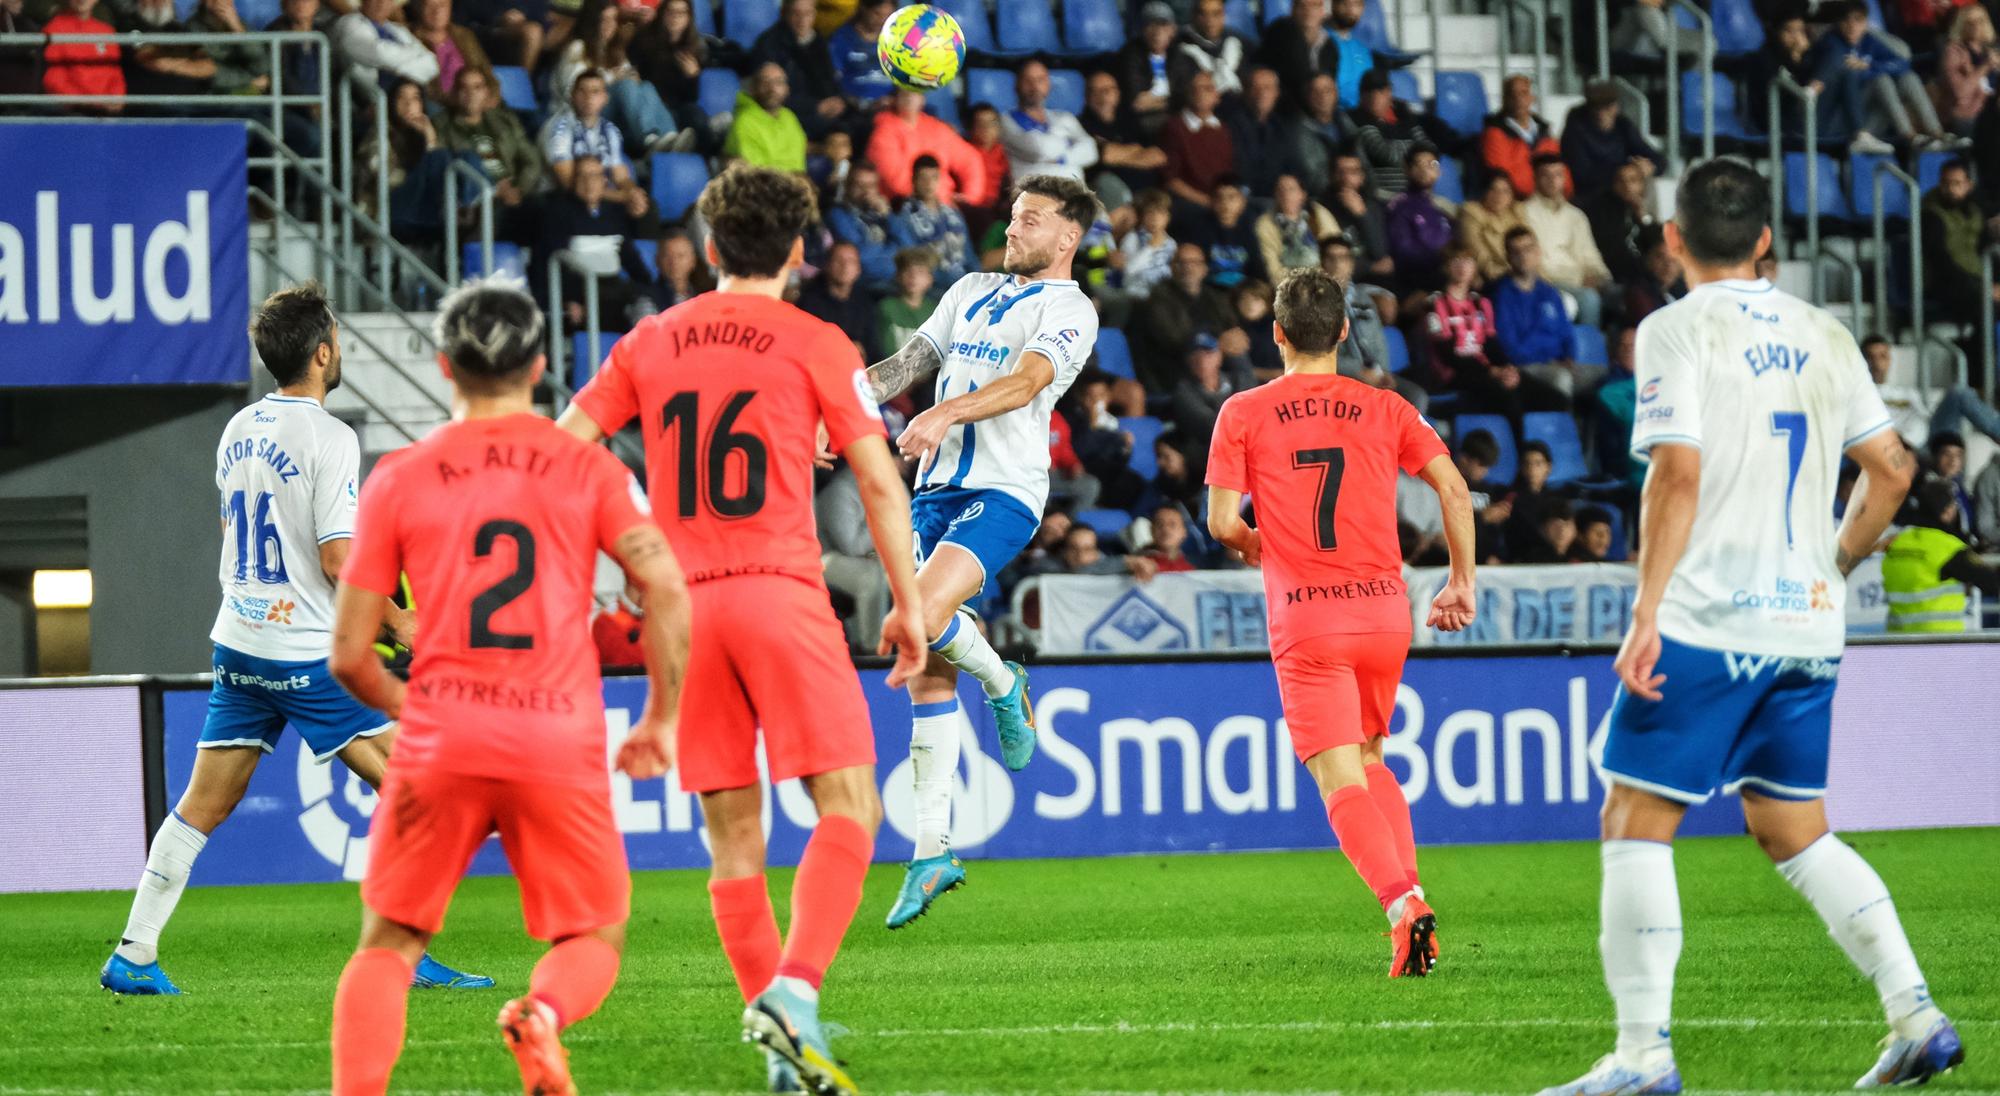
1851, 899
963, 647
934, 749
166, 876
1640, 940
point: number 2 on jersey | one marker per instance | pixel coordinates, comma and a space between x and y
1792, 425
684, 412
501, 593
268, 549
1332, 464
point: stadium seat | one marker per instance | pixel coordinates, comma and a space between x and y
1108, 523
1145, 430
1451, 180
649, 254
1588, 346
1399, 348
1066, 91
994, 86
1557, 430
1929, 166
1114, 354
1461, 101
1373, 31
1620, 550
942, 104
1026, 26
581, 368
507, 259
1728, 116
1738, 31
718, 91
1090, 27
1403, 85
257, 14
1862, 166
677, 181
1237, 16
704, 17
517, 89
1502, 471
1832, 200
973, 20
744, 20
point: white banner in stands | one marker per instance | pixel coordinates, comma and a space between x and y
1224, 610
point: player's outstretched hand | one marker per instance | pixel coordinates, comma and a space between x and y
648, 752
1637, 657
903, 632
1453, 609
822, 447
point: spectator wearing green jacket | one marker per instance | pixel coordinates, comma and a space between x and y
510, 159
765, 132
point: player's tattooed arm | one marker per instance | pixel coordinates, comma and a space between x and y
1886, 472
642, 550
893, 375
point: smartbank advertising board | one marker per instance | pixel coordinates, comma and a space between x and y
124, 254
1193, 756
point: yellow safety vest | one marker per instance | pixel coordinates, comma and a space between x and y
1920, 598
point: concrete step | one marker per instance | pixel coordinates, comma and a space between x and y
396, 369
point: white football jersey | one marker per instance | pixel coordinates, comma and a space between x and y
982, 327
1772, 390
288, 474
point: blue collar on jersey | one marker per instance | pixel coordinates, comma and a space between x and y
998, 308
1740, 285
274, 397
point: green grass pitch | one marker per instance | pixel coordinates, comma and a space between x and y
1248, 972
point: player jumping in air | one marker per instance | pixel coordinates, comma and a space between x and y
1005, 347
1748, 397
287, 472
497, 518
729, 389
1319, 453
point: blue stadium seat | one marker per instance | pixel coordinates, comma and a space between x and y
1451, 180
1090, 27
1620, 549
1108, 523
1461, 101
1066, 90
507, 259
994, 86
258, 14
973, 20
1832, 199
1114, 354
581, 368
1929, 166
649, 254
744, 20
1502, 471
1373, 30
718, 91
1895, 196
704, 16
1875, 15
1403, 85
1399, 348
677, 181
1145, 430
1237, 16
1275, 10
185, 9
1738, 31
1728, 116
1587, 346
517, 89
1557, 430
942, 104
1026, 26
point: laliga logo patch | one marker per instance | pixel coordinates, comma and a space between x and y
1651, 392
862, 393
340, 836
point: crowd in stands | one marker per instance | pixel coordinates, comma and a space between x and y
1496, 272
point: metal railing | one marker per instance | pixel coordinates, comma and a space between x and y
378, 101
1884, 315
1783, 85
593, 335
1853, 269
1633, 99
1953, 353
1566, 20
1537, 12
1706, 27
1986, 336
457, 170
1601, 13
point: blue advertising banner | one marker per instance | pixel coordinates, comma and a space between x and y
137, 280
1178, 757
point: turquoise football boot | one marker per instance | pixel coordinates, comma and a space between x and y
431, 974
922, 884
787, 1024
1017, 720
1915, 1061
121, 975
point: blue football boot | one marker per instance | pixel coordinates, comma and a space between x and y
788, 1024
925, 881
1915, 1061
1608, 1078
121, 975
1017, 720
431, 974
780, 1074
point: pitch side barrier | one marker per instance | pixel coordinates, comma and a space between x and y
1139, 755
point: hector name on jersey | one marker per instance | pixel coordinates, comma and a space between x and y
1771, 390
1318, 456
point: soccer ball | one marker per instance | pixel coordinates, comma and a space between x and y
921, 47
